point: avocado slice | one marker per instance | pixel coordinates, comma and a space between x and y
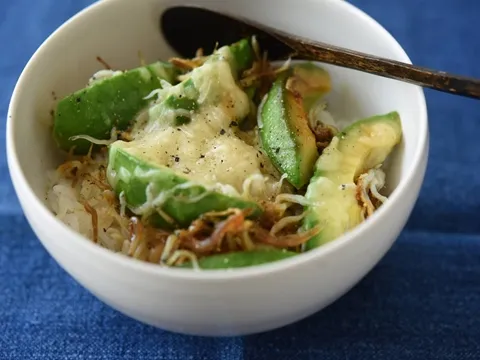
177, 201
112, 102
285, 134
241, 259
310, 82
243, 56
332, 192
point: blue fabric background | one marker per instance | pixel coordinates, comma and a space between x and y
421, 302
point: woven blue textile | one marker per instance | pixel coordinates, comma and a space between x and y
421, 302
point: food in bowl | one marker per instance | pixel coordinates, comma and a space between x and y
219, 161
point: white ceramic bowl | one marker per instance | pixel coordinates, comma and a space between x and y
221, 302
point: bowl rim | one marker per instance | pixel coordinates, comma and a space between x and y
24, 191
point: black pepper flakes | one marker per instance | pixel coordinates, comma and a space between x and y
233, 123
261, 165
202, 156
177, 159
222, 132
277, 150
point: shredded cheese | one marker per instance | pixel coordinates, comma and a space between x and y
113, 138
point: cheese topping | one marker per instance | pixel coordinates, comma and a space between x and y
206, 150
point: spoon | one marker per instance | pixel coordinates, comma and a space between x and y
187, 28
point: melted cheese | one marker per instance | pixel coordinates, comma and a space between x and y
207, 150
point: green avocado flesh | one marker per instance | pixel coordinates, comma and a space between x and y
285, 134
175, 202
186, 101
243, 56
242, 259
331, 192
309, 81
110, 103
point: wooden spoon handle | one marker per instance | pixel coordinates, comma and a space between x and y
438, 80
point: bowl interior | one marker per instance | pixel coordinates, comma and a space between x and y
117, 30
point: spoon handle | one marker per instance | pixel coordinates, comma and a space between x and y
438, 80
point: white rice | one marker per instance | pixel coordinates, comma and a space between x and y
67, 199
